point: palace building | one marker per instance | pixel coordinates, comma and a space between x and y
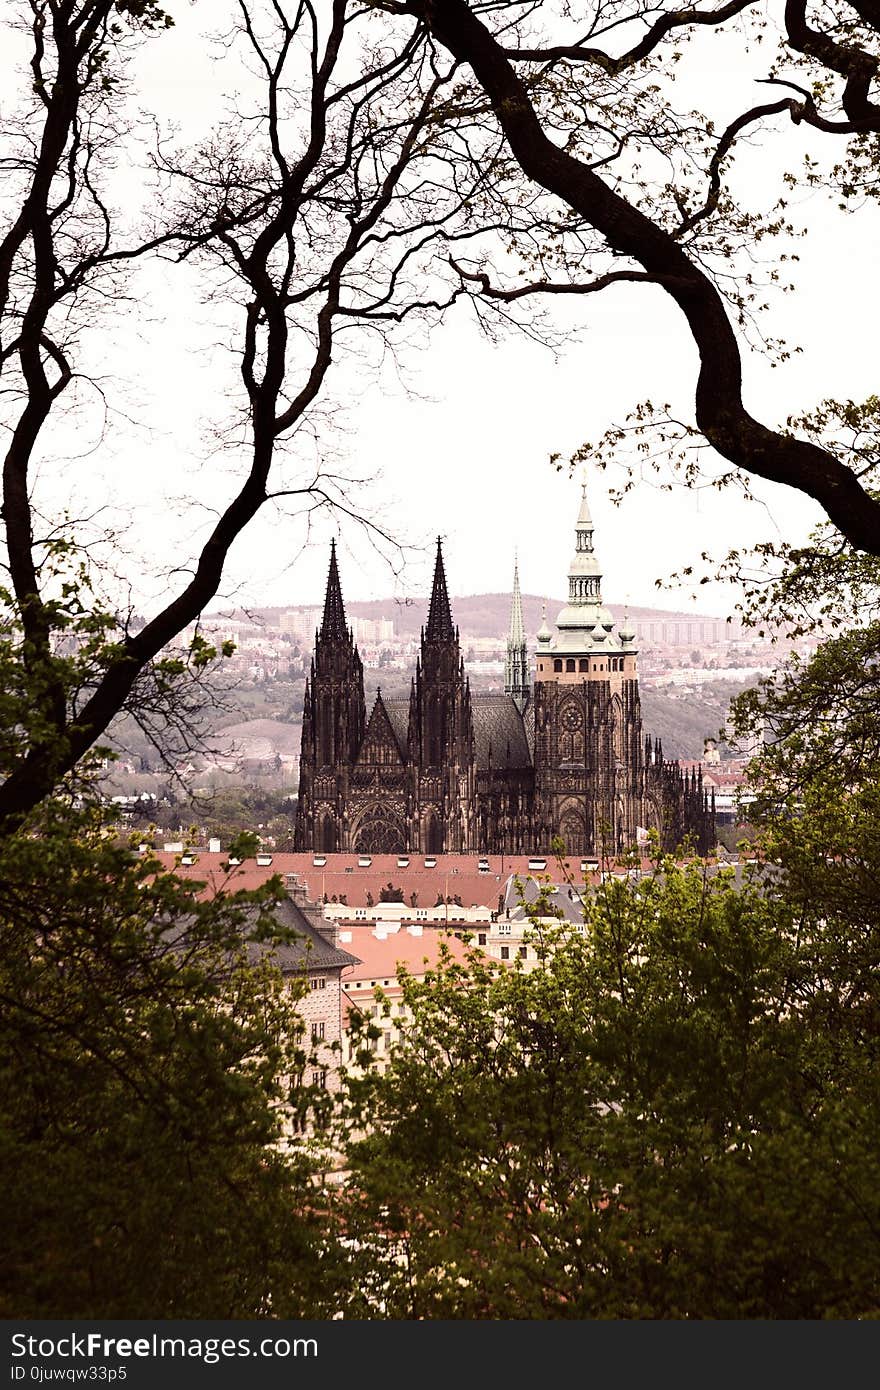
559, 756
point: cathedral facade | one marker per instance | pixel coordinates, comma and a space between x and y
559, 756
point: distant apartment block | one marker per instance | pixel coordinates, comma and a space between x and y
686, 630
368, 630
301, 623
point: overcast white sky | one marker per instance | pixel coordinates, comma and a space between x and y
468, 458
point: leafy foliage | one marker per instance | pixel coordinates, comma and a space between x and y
674, 1115
149, 1048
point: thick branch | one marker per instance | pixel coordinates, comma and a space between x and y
858, 67
720, 412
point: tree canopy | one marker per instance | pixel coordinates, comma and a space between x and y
673, 1115
149, 1104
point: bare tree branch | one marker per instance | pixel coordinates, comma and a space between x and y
720, 412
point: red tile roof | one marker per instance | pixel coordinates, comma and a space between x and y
341, 874
379, 959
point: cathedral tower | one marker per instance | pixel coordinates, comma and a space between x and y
587, 747
333, 727
447, 771
441, 738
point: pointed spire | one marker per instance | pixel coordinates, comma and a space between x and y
439, 625
333, 627
584, 517
584, 572
517, 633
516, 675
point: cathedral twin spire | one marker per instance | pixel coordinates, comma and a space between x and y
583, 581
333, 627
439, 627
334, 707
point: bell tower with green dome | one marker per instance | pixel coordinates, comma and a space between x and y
588, 725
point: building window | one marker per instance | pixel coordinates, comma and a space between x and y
387, 1037
318, 982
583, 664
481, 938
505, 953
504, 929
569, 664
524, 952
319, 1031
557, 664
319, 1079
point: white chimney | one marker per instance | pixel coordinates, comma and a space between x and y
415, 929
380, 933
214, 846
345, 936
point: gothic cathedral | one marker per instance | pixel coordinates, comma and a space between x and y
448, 771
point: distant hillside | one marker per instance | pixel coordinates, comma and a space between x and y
477, 615
683, 724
